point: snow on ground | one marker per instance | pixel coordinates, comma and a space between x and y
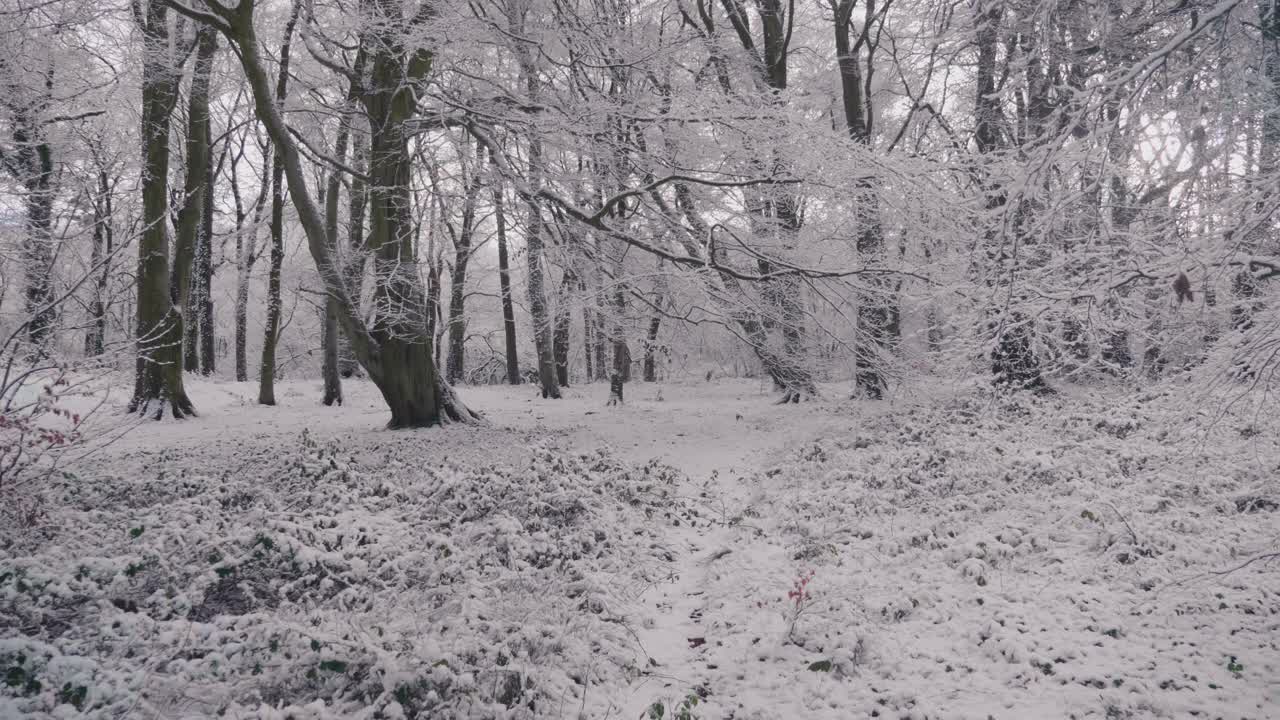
697, 550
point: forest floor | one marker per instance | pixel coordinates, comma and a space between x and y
697, 550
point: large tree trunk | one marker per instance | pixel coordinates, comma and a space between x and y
271, 335
158, 380
197, 193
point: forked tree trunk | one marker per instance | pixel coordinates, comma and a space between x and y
158, 379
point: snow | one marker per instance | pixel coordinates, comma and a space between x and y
968, 557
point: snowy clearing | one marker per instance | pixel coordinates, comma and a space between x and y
965, 558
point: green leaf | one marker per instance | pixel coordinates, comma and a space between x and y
337, 666
821, 666
136, 532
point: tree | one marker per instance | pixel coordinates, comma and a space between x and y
267, 369
158, 385
395, 350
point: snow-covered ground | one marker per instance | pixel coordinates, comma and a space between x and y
1087, 555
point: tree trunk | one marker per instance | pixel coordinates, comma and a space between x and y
158, 380
329, 332
588, 336
103, 249
560, 336
204, 266
457, 286
354, 264
538, 297
267, 368
187, 244
36, 173
246, 256
504, 282
650, 349
876, 324
1013, 360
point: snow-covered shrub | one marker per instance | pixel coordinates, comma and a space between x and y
312, 585
35, 428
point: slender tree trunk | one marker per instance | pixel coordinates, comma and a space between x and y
329, 336
354, 265
457, 287
588, 338
158, 382
560, 336
246, 257
601, 334
651, 349
267, 368
504, 281
204, 266
103, 249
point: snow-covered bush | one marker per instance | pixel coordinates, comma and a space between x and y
35, 428
308, 584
